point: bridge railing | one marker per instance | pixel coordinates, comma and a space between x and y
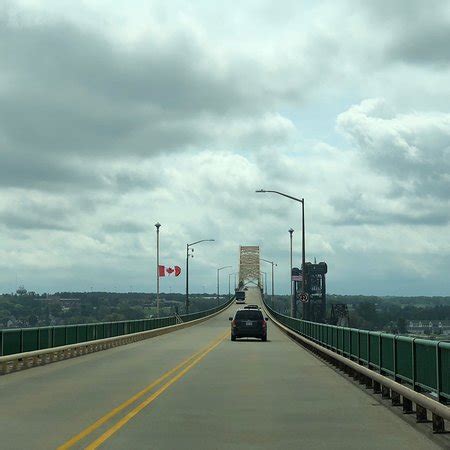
422, 363
21, 340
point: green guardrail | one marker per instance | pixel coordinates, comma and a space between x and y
421, 363
20, 340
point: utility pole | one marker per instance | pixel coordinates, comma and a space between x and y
293, 300
186, 305
157, 225
218, 282
273, 281
305, 305
188, 246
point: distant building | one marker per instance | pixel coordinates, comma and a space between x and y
428, 326
69, 302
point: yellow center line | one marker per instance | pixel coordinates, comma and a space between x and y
108, 433
98, 423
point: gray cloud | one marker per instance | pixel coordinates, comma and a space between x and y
36, 171
124, 226
32, 170
428, 45
31, 215
70, 91
112, 120
18, 221
417, 31
73, 103
412, 149
359, 210
411, 153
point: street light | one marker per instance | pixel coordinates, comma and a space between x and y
157, 225
187, 269
273, 282
265, 282
218, 285
229, 283
302, 201
293, 301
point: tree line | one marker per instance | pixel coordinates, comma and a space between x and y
382, 313
65, 308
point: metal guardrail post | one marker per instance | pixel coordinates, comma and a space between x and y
438, 372
413, 364
359, 347
350, 344
394, 353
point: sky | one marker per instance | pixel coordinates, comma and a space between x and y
115, 115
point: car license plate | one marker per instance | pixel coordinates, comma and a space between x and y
249, 323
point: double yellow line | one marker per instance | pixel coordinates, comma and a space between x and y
180, 370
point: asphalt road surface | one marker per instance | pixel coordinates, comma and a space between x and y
195, 389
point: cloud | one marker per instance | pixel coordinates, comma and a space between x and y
411, 155
23, 221
426, 45
67, 90
124, 226
417, 32
36, 213
363, 209
115, 117
413, 149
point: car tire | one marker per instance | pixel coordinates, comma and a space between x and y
233, 338
264, 338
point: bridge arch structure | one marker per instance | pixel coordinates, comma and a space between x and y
249, 265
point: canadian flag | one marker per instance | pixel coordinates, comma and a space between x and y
164, 271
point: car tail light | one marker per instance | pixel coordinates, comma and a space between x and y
264, 324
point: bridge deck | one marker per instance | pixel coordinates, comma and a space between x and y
239, 395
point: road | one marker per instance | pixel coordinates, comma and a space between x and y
229, 395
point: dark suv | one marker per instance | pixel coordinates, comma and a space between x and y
248, 323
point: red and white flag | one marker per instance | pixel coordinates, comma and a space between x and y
164, 271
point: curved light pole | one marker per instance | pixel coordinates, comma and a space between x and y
188, 246
273, 281
157, 225
218, 284
302, 201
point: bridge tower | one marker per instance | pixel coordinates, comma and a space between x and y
315, 288
249, 269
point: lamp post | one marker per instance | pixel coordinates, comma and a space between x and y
273, 281
188, 246
157, 225
293, 301
265, 282
302, 201
229, 284
218, 281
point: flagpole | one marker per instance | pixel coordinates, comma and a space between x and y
157, 225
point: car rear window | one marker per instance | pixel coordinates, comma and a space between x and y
249, 315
